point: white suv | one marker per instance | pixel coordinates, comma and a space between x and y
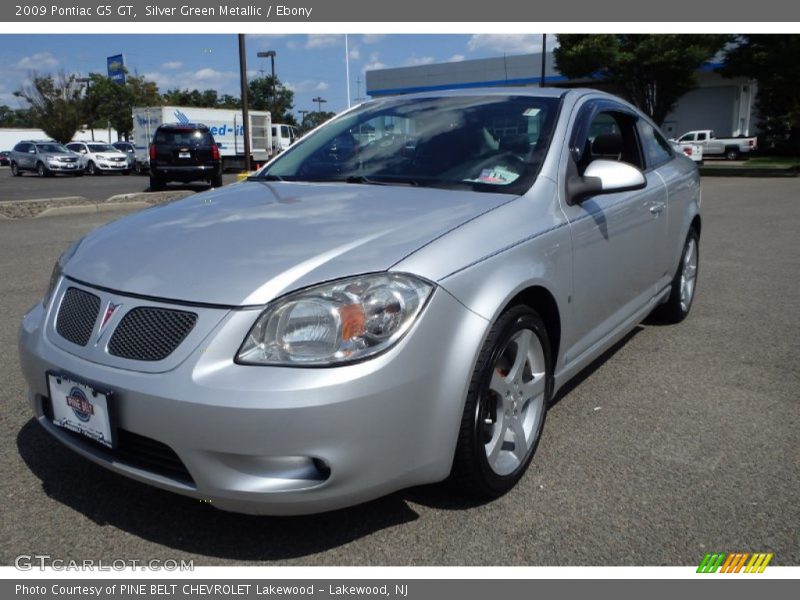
98, 157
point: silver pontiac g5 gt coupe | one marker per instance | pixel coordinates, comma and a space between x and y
392, 301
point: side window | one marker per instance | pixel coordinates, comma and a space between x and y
610, 136
701, 137
19, 147
656, 149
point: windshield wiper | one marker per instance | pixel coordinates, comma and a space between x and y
265, 178
382, 180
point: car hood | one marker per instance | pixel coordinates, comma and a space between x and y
62, 154
247, 243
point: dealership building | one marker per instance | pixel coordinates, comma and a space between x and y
724, 105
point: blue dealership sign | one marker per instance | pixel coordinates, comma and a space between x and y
116, 68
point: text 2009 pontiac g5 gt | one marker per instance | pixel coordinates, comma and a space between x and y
393, 301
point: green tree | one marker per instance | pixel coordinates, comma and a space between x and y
10, 117
205, 99
772, 60
280, 107
107, 101
56, 105
228, 101
315, 119
652, 70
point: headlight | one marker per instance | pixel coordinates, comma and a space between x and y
58, 269
335, 323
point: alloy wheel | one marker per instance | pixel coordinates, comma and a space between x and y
513, 404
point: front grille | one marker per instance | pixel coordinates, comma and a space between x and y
77, 315
133, 450
148, 333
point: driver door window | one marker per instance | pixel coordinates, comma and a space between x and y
611, 136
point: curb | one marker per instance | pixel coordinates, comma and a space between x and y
87, 208
69, 205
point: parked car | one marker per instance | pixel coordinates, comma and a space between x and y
347, 324
130, 151
4, 158
731, 148
45, 157
98, 158
184, 152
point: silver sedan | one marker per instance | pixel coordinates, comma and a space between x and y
392, 301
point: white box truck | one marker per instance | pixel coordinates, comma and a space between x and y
226, 125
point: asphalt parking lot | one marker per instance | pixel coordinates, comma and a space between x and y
97, 189
679, 441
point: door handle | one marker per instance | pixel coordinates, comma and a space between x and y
657, 208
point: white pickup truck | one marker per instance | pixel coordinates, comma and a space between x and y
730, 148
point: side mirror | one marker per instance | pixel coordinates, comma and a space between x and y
604, 177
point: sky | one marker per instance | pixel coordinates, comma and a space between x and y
311, 65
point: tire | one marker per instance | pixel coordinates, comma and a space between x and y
216, 181
502, 408
91, 169
684, 283
156, 184
731, 154
42, 170
138, 168
15, 170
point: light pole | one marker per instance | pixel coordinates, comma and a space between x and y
245, 108
303, 114
319, 100
544, 55
270, 54
88, 82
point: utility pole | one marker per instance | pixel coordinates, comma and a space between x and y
359, 98
319, 100
245, 109
544, 55
88, 82
271, 54
347, 68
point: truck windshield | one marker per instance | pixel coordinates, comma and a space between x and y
484, 143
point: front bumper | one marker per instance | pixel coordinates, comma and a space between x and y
65, 167
270, 440
112, 166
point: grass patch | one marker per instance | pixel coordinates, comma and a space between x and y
785, 162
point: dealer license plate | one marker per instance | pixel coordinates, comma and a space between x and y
78, 407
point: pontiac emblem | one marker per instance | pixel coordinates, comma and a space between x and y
110, 310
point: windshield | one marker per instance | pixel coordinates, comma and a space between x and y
484, 143
51, 148
101, 148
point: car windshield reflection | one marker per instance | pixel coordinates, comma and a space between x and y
482, 143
